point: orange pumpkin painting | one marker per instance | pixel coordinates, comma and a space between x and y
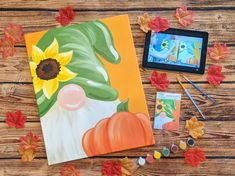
122, 131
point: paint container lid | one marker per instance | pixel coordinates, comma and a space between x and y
165, 152
190, 142
157, 155
149, 158
183, 145
174, 148
141, 161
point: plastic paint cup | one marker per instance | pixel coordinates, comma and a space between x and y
149, 158
141, 161
165, 152
183, 145
174, 148
157, 155
190, 142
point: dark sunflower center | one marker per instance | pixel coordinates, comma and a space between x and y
164, 44
48, 69
159, 106
182, 46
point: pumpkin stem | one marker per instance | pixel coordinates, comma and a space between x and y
123, 106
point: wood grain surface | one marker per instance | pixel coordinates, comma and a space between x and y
16, 90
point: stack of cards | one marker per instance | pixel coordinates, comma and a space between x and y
167, 111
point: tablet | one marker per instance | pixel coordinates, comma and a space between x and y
176, 49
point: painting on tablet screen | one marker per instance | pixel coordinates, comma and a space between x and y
175, 50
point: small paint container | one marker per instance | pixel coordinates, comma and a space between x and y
141, 161
157, 155
149, 158
190, 142
174, 148
183, 145
165, 152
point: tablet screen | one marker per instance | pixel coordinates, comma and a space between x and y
175, 50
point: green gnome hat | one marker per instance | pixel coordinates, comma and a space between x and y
86, 40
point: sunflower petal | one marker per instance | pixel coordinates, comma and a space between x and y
65, 74
50, 87
37, 54
38, 84
64, 58
52, 50
33, 67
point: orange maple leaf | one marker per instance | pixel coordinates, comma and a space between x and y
215, 75
69, 170
195, 127
28, 145
218, 52
7, 47
159, 24
29, 141
184, 16
15, 32
143, 21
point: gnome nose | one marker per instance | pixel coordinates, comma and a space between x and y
162, 115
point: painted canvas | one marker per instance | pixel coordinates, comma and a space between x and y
88, 89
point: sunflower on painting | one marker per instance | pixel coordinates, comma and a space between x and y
48, 68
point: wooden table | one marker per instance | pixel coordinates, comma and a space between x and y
215, 16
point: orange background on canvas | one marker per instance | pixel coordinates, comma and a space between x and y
123, 76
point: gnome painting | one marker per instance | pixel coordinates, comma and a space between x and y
88, 89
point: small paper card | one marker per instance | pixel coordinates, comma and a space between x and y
167, 111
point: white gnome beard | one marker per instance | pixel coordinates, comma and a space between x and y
63, 129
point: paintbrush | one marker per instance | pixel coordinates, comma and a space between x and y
190, 97
196, 87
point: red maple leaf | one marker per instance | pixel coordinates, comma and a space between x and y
29, 141
111, 168
69, 170
15, 119
184, 16
214, 75
7, 47
194, 156
66, 15
158, 24
15, 32
218, 52
159, 80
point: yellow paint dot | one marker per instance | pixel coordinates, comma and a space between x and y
157, 155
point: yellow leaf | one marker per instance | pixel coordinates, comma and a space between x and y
143, 21
128, 166
195, 127
27, 155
